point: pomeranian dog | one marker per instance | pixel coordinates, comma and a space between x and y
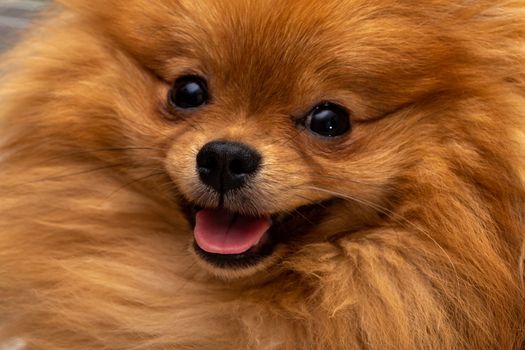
264, 174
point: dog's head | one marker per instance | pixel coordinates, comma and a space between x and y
283, 123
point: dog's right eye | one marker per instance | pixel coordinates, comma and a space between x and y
189, 92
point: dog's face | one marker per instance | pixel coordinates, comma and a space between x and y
278, 122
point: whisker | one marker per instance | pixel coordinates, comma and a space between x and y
318, 175
398, 218
97, 150
320, 204
344, 179
304, 217
142, 178
84, 172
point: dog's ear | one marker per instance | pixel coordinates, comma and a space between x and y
123, 15
141, 27
92, 7
118, 9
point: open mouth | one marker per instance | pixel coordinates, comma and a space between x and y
227, 239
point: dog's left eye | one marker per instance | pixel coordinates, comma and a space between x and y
328, 120
189, 92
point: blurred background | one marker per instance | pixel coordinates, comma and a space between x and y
14, 17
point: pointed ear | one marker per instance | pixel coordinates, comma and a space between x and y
92, 7
119, 9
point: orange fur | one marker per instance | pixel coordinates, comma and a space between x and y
425, 252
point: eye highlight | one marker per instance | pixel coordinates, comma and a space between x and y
189, 91
328, 120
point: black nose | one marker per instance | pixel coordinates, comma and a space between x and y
225, 166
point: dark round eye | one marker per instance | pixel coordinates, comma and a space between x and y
189, 92
329, 120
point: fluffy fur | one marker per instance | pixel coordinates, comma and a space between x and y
425, 252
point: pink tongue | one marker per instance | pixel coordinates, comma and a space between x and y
222, 232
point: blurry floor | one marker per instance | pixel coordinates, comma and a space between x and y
14, 15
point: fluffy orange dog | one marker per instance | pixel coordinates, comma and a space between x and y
265, 174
